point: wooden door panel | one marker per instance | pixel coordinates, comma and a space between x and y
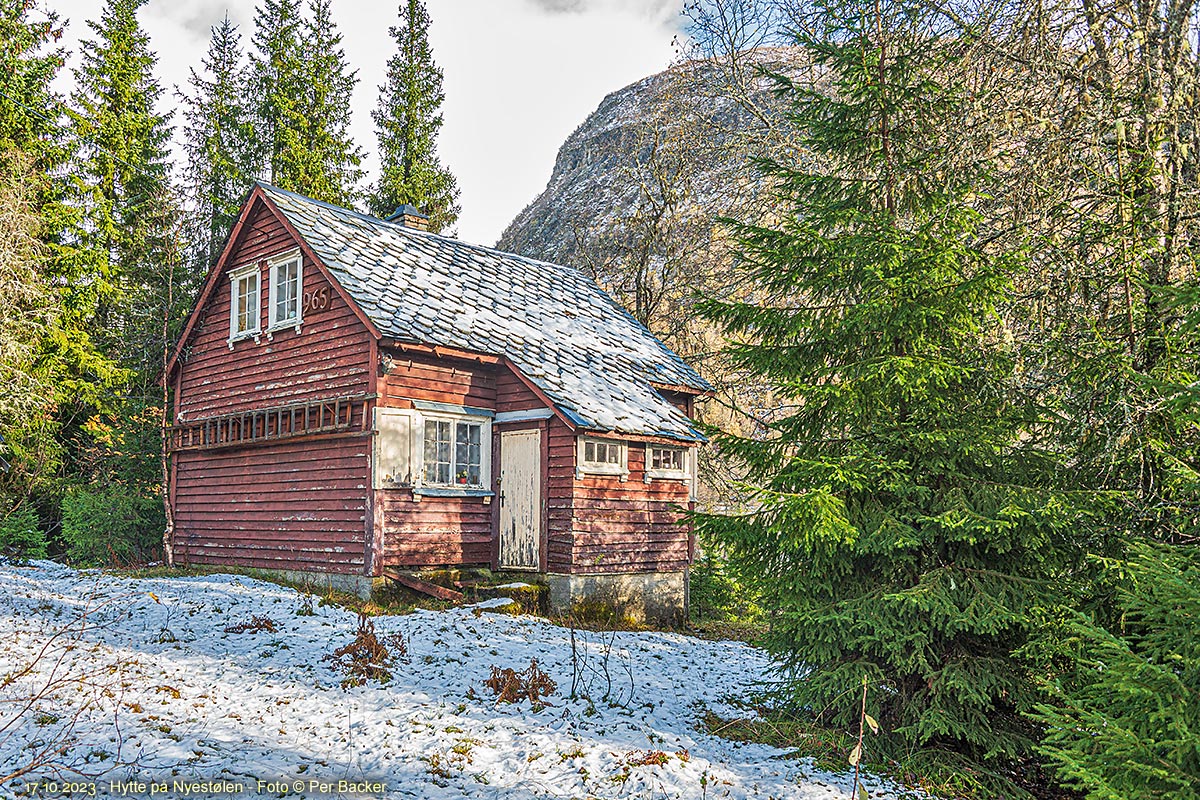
520, 499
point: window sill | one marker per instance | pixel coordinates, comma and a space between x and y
581, 473
256, 335
667, 476
283, 326
452, 491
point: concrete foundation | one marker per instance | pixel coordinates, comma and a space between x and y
318, 582
657, 598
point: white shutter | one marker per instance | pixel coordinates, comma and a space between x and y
396, 436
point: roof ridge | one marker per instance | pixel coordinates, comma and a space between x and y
400, 226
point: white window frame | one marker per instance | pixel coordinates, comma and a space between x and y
485, 450
585, 467
273, 266
235, 277
684, 473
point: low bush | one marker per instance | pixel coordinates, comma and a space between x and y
715, 595
513, 686
111, 526
20, 534
368, 658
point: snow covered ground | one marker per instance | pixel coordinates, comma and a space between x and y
152, 691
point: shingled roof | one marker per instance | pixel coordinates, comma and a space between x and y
596, 362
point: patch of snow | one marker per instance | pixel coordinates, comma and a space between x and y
157, 691
495, 602
517, 585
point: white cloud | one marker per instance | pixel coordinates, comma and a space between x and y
520, 76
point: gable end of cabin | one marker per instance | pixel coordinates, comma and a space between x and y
271, 432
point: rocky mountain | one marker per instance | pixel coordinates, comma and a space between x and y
638, 192
680, 139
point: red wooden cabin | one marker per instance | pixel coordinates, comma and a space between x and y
355, 397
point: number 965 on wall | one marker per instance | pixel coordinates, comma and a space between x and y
317, 299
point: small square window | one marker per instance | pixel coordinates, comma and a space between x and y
602, 457
667, 462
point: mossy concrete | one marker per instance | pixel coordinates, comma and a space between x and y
316, 582
654, 598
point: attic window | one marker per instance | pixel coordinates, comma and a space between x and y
243, 303
602, 457
287, 276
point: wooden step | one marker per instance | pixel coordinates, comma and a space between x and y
424, 587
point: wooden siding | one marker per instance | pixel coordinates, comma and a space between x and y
612, 526
460, 383
513, 395
297, 504
289, 505
329, 357
435, 531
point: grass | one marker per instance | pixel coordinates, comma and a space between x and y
935, 772
394, 600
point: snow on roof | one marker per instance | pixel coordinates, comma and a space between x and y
595, 361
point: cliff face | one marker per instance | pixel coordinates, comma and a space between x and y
669, 140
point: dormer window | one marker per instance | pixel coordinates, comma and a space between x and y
287, 277
243, 303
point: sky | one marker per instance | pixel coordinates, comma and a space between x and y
520, 76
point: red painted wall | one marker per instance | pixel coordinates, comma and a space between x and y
435, 531
297, 505
623, 526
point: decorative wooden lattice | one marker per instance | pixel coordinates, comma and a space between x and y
331, 415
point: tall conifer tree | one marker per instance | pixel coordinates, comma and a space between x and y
407, 122
907, 525
31, 117
277, 90
328, 163
130, 235
125, 184
220, 167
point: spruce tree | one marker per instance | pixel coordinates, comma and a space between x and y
31, 123
327, 167
407, 122
277, 90
906, 527
220, 167
125, 184
130, 236
1124, 723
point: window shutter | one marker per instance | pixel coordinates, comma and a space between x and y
396, 438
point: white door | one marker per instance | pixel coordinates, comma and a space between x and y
520, 499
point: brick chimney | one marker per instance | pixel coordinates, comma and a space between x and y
410, 217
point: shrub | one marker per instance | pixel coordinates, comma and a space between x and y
1125, 722
20, 535
715, 594
512, 686
367, 658
111, 526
